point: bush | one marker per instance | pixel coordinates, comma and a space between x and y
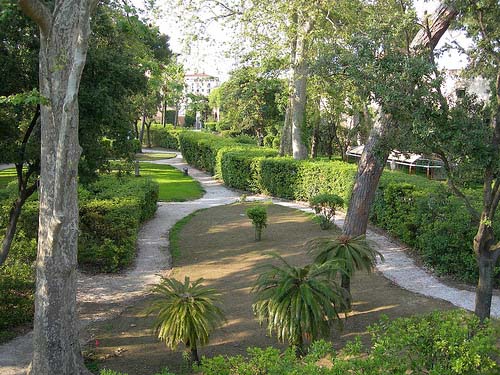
211, 126
166, 137
258, 215
110, 221
325, 205
441, 343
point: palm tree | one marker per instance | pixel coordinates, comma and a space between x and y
299, 303
354, 253
187, 313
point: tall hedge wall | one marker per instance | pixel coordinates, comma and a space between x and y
423, 214
166, 137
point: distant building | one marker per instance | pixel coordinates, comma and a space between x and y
200, 83
197, 84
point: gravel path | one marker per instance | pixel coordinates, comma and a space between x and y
102, 296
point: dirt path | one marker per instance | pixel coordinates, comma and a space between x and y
103, 296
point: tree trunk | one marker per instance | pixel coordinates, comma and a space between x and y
370, 169
64, 34
298, 107
143, 125
375, 154
286, 136
148, 134
164, 113
484, 291
10, 232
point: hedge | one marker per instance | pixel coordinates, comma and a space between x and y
166, 137
111, 211
423, 214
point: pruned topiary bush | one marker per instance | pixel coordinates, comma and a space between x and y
258, 215
165, 137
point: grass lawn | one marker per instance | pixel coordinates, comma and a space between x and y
6, 176
174, 185
154, 156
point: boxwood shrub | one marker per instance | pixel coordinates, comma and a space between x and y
421, 213
166, 137
111, 211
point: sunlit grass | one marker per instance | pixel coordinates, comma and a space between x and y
154, 156
6, 176
174, 185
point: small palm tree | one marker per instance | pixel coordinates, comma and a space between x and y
299, 303
187, 313
354, 253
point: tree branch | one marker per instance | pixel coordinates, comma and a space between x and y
473, 212
38, 12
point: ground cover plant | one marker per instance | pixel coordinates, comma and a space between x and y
174, 185
217, 245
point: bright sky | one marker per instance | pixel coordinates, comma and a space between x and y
208, 56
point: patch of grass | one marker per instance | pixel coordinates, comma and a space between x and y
154, 156
173, 236
6, 176
174, 185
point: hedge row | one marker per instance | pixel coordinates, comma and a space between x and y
423, 214
166, 137
111, 211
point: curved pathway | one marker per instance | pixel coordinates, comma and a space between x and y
102, 296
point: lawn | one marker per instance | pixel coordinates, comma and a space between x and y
174, 185
151, 156
6, 176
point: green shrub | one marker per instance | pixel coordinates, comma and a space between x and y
110, 221
258, 215
166, 137
245, 139
325, 205
211, 126
441, 343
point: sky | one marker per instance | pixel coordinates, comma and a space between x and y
209, 57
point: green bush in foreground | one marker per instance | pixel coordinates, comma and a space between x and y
186, 312
441, 343
258, 215
299, 304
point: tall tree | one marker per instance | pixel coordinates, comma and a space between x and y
465, 134
64, 34
378, 147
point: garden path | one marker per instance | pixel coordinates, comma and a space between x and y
103, 296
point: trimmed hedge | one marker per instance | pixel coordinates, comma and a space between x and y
111, 211
166, 137
110, 218
421, 213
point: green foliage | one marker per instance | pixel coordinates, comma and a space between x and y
441, 343
111, 372
325, 205
299, 304
111, 212
258, 215
186, 312
166, 137
353, 253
